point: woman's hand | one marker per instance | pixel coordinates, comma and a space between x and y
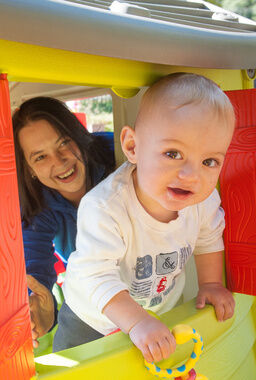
41, 306
216, 294
153, 339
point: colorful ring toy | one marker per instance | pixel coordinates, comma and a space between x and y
182, 334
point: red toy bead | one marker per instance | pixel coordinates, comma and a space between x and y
190, 376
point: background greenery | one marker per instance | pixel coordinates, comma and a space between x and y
98, 110
246, 8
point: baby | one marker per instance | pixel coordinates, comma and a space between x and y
138, 228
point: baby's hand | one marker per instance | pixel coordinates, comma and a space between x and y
153, 338
216, 294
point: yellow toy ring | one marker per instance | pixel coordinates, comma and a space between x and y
182, 334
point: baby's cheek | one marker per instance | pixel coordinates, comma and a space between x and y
213, 180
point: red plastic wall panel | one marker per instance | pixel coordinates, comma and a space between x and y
82, 118
16, 352
238, 194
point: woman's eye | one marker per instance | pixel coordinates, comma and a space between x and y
64, 142
40, 158
211, 162
174, 155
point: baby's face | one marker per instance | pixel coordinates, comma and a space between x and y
179, 155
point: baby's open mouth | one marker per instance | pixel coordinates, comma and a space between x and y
178, 191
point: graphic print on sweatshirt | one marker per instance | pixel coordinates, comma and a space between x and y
185, 254
166, 262
144, 267
155, 282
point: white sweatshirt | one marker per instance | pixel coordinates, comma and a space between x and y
121, 247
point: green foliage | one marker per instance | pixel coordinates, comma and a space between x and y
99, 112
215, 2
246, 8
98, 105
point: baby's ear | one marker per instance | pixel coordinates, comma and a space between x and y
127, 138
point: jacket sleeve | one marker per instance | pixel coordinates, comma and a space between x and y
38, 248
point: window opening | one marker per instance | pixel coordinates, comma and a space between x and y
98, 112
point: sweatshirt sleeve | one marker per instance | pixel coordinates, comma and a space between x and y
212, 224
93, 269
38, 247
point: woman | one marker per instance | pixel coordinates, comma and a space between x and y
58, 161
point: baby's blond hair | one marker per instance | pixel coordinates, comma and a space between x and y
180, 89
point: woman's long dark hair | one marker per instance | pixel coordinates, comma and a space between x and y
93, 148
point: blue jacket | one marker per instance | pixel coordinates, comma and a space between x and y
54, 225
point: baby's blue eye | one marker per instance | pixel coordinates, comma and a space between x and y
210, 162
174, 155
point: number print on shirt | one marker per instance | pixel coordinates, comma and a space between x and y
143, 267
185, 253
161, 285
166, 262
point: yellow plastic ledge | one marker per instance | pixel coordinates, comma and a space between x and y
229, 349
31, 63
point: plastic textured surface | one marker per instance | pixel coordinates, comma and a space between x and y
16, 353
238, 194
229, 349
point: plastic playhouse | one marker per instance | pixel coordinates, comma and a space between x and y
124, 47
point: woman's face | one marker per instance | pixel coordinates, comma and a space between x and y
54, 159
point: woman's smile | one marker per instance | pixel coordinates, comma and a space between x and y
67, 176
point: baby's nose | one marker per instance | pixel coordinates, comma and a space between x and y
189, 172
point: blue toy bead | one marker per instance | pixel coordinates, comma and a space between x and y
193, 355
182, 368
158, 369
169, 371
195, 340
194, 331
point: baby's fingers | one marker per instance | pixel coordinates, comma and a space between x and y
155, 351
225, 307
229, 311
220, 311
147, 354
200, 301
167, 346
163, 348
